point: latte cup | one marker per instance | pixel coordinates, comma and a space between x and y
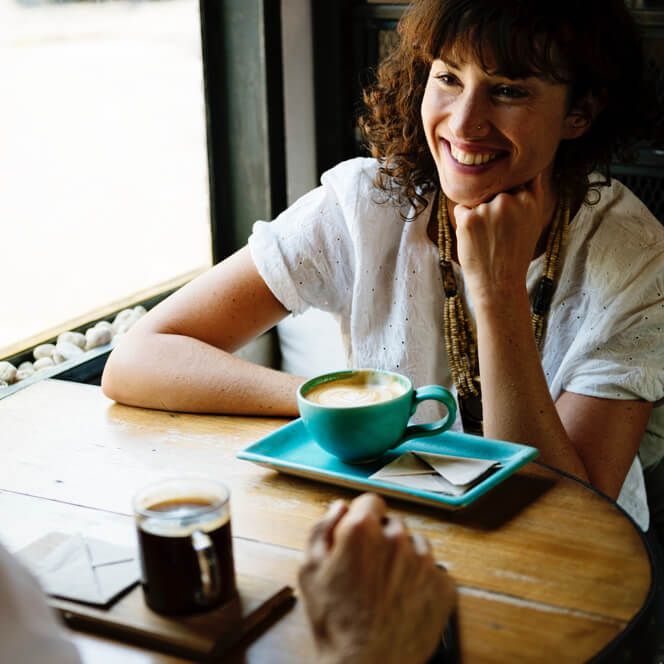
359, 414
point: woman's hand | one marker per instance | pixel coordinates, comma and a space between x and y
497, 239
372, 590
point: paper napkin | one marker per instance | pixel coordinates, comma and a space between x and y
82, 568
438, 473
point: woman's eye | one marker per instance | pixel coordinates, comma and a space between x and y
445, 79
510, 92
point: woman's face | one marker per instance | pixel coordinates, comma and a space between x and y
488, 133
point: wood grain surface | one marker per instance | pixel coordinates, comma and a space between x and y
548, 570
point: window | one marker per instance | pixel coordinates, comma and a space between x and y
103, 168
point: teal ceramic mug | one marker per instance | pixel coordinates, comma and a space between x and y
359, 414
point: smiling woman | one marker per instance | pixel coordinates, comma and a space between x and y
526, 280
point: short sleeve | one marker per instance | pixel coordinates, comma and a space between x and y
306, 255
617, 352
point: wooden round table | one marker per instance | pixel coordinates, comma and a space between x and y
548, 569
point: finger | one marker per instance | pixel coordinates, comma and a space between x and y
361, 524
462, 216
367, 506
394, 527
421, 544
424, 564
322, 534
400, 560
336, 509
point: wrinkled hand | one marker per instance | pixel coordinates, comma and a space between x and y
497, 240
372, 590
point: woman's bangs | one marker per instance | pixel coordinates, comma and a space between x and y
503, 44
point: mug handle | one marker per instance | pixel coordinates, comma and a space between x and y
437, 393
209, 566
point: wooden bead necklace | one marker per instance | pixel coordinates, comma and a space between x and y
459, 339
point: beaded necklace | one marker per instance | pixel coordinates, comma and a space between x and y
459, 339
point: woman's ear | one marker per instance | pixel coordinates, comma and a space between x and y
583, 114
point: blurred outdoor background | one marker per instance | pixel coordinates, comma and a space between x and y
103, 166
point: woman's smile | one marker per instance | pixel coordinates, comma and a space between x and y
475, 157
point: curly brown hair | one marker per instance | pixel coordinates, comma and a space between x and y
593, 46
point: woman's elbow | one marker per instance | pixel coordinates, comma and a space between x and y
112, 379
123, 372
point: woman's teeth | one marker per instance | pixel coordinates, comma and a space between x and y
471, 158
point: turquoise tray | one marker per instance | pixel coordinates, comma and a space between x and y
291, 450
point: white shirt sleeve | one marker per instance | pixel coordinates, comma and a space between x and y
307, 256
607, 321
29, 631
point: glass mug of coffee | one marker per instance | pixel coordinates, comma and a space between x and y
359, 414
185, 545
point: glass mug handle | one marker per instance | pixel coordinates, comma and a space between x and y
209, 566
437, 393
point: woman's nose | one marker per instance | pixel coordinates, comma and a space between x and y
470, 118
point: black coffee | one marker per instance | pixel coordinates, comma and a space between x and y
170, 568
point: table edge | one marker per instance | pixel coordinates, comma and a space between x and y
636, 621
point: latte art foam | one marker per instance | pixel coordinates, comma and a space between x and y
354, 392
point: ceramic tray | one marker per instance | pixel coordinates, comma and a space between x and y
291, 450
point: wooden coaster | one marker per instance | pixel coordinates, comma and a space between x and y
203, 637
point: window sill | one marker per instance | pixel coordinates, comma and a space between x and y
85, 368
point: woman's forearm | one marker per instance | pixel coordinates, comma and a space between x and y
516, 401
180, 373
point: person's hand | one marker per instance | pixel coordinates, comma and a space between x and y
497, 240
372, 591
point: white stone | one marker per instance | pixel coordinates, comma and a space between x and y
97, 336
75, 338
44, 363
122, 327
127, 317
103, 325
122, 316
22, 374
26, 365
64, 350
43, 350
7, 372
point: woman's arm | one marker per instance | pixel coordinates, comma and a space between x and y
606, 434
178, 356
591, 438
594, 439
